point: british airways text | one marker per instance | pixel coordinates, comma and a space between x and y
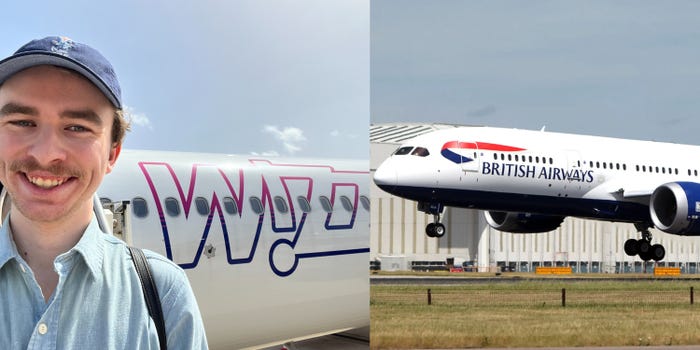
535, 172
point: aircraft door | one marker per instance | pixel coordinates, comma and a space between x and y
470, 156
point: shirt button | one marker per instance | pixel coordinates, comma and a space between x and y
43, 328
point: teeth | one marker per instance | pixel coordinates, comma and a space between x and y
45, 183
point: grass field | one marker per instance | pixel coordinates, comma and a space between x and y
530, 314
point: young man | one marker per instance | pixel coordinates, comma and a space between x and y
63, 283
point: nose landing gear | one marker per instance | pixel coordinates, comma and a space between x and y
643, 247
435, 229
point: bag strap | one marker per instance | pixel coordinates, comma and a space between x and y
150, 293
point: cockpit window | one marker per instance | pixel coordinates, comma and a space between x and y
403, 151
421, 152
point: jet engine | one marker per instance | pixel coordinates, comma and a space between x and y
675, 208
522, 222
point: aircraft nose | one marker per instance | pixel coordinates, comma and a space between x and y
385, 175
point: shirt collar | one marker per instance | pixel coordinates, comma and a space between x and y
7, 246
90, 247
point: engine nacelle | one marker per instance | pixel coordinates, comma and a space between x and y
522, 222
675, 208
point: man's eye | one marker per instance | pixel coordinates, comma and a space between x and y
78, 128
22, 123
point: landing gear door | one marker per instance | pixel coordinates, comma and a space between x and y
469, 152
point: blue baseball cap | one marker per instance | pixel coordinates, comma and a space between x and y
66, 53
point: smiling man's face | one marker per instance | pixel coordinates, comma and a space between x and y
55, 143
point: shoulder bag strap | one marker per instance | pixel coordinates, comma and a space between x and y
150, 293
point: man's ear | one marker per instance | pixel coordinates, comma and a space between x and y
113, 155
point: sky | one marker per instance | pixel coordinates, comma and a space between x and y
623, 68
287, 78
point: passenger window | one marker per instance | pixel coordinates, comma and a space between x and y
326, 204
347, 204
403, 151
172, 206
365, 202
420, 152
139, 207
230, 206
256, 204
304, 204
202, 206
281, 204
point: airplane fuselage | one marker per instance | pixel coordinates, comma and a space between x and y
275, 249
552, 174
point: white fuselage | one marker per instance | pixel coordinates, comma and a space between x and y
263, 267
537, 172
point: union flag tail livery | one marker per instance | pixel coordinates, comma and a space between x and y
529, 181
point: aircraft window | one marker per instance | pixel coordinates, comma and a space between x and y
257, 205
517, 158
657, 170
495, 156
503, 156
172, 206
663, 170
420, 152
689, 173
326, 204
676, 171
281, 204
202, 205
530, 159
105, 200
590, 164
347, 204
139, 207
537, 159
624, 166
605, 166
551, 160
403, 151
365, 202
695, 172
304, 204
230, 206
510, 157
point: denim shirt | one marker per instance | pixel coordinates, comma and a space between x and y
98, 302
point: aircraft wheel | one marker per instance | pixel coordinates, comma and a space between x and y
645, 256
430, 230
439, 230
643, 246
658, 252
631, 247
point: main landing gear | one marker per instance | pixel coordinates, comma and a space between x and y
435, 229
643, 247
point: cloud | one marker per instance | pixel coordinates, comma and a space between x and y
137, 119
335, 133
290, 137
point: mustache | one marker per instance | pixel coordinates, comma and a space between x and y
29, 165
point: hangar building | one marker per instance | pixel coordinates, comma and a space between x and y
398, 240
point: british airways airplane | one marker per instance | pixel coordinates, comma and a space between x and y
276, 249
529, 181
